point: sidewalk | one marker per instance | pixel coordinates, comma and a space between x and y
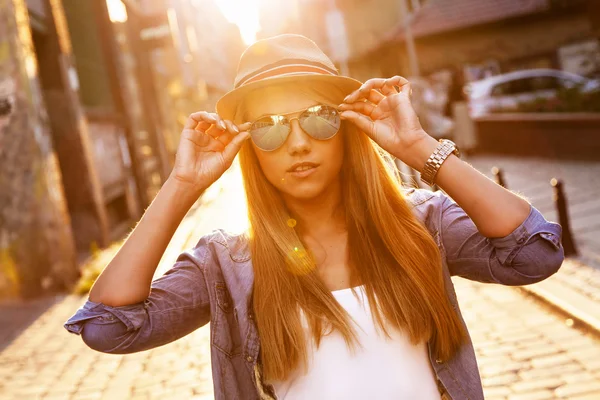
575, 289
524, 350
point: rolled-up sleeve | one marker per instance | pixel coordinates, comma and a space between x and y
177, 305
529, 254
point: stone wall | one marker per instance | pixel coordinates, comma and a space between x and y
36, 244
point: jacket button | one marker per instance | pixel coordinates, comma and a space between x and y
439, 361
249, 358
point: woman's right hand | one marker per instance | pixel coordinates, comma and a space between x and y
206, 149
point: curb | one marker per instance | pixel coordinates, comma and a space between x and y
558, 291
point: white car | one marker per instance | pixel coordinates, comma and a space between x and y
505, 92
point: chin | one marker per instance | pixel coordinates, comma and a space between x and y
306, 190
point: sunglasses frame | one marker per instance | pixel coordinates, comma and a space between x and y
289, 123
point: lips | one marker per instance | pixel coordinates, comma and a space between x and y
302, 166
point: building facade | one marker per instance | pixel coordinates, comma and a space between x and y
90, 115
482, 37
37, 248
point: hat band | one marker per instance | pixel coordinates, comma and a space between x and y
287, 69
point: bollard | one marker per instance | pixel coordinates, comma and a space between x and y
560, 200
499, 176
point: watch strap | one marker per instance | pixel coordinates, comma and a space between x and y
437, 158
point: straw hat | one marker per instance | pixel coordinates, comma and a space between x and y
284, 59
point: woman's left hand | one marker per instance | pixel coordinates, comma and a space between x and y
385, 113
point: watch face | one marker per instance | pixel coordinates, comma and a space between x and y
456, 150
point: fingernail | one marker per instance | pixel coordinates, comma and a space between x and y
222, 125
346, 98
235, 128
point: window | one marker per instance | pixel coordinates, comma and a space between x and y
545, 83
513, 88
502, 89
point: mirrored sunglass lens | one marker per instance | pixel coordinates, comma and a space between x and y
321, 122
269, 133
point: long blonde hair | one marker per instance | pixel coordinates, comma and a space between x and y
390, 252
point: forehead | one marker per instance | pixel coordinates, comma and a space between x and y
277, 100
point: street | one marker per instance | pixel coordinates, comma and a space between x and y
97, 107
525, 350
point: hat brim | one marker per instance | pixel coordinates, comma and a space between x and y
344, 85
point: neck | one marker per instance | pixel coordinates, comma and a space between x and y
320, 216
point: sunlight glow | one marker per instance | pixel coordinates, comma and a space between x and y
243, 13
116, 10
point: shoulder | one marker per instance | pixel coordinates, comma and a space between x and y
222, 245
428, 206
422, 199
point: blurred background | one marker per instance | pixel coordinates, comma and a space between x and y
94, 94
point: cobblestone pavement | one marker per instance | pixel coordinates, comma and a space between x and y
524, 350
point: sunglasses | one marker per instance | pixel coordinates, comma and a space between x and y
320, 122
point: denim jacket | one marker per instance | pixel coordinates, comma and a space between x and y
213, 281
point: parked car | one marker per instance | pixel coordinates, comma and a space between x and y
502, 93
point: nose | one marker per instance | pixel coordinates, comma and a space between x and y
298, 141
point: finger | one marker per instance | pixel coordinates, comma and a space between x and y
245, 126
362, 107
375, 96
380, 86
200, 119
402, 83
389, 89
234, 146
385, 86
365, 89
214, 145
363, 122
200, 139
221, 123
216, 130
225, 137
231, 127
372, 96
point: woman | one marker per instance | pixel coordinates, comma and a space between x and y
341, 287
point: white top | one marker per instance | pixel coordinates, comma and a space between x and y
380, 368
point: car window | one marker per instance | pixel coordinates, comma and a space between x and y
502, 89
545, 83
512, 88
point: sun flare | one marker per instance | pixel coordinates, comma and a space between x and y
243, 13
116, 10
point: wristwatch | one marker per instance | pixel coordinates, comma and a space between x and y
437, 158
